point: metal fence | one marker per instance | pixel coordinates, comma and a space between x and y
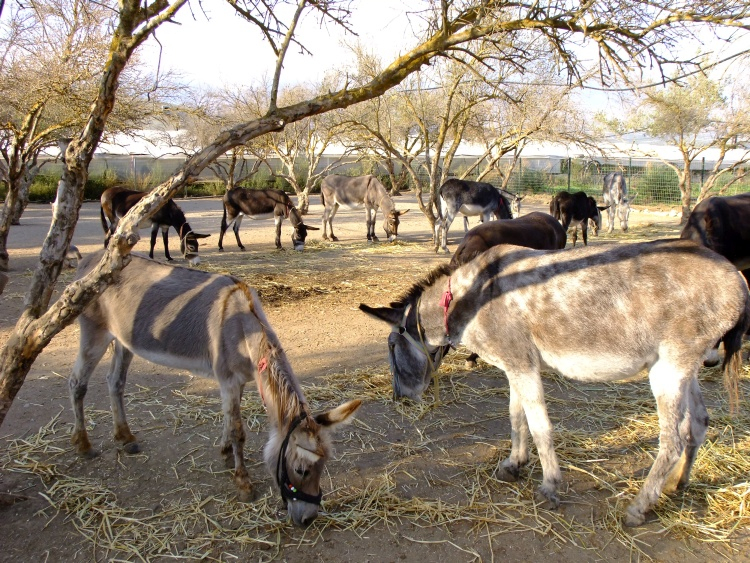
651, 181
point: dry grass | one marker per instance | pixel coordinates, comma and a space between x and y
439, 476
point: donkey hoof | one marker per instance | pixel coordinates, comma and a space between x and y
221, 250
470, 364
246, 494
131, 448
507, 474
634, 517
89, 454
545, 497
334, 239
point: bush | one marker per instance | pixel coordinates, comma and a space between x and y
657, 184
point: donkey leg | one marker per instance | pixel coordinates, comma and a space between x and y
233, 439
528, 386
610, 218
326, 213
693, 429
154, 231
278, 220
116, 381
447, 220
585, 231
236, 229
373, 217
509, 469
330, 221
165, 240
671, 388
93, 344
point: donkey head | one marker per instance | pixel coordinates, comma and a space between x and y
515, 206
391, 222
623, 211
189, 244
411, 360
595, 215
300, 229
296, 458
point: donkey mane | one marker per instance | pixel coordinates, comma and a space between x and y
279, 386
416, 290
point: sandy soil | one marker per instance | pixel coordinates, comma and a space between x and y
311, 300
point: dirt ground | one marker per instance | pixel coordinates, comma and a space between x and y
408, 481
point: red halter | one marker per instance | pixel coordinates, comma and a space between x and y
445, 302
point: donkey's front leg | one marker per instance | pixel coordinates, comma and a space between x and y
528, 386
116, 381
233, 437
371, 224
93, 343
510, 468
278, 220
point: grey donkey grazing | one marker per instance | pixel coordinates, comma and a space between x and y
210, 325
520, 310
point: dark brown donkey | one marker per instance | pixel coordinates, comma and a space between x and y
116, 202
262, 204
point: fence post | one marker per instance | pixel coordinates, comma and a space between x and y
570, 168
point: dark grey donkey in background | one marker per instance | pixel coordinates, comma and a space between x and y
209, 325
356, 192
470, 199
521, 310
262, 204
117, 201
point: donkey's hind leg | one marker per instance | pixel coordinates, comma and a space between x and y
116, 380
233, 437
93, 343
693, 430
671, 387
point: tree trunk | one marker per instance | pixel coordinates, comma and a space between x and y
303, 201
685, 190
6, 218
24, 185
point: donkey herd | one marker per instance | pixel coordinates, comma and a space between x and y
511, 294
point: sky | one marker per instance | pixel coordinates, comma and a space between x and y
220, 48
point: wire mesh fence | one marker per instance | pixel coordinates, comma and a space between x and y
650, 182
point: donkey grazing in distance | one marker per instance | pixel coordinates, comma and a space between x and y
262, 204
575, 210
615, 197
210, 325
116, 202
470, 198
356, 192
520, 309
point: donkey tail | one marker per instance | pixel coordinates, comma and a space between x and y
554, 208
733, 356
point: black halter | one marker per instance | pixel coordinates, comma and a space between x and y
289, 491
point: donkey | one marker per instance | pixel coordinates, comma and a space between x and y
535, 230
470, 198
116, 202
208, 324
356, 192
262, 204
520, 309
574, 210
615, 196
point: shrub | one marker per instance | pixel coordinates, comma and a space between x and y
657, 184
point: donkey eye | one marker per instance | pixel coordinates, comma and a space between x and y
302, 472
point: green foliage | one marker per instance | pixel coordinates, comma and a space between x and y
657, 184
532, 181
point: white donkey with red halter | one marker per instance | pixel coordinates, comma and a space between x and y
520, 310
210, 325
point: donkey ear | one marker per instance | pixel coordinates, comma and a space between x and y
602, 208
198, 235
390, 315
311, 228
340, 415
404, 212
